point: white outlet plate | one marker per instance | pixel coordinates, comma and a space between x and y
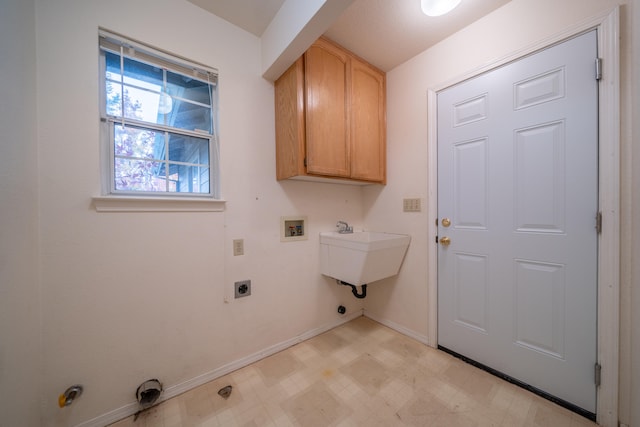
238, 247
412, 205
242, 288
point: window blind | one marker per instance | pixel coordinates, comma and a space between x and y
113, 43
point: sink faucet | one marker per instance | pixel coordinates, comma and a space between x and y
344, 228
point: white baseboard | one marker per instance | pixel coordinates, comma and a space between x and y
177, 389
397, 327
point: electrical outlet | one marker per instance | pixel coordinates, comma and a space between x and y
411, 205
238, 247
243, 288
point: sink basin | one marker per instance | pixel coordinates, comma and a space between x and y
362, 257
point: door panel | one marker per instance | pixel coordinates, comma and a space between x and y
471, 291
471, 173
517, 176
540, 198
539, 306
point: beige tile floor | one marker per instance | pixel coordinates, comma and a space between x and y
358, 374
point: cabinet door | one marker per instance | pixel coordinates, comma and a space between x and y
327, 121
290, 133
368, 123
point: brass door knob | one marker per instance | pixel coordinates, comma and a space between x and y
446, 222
445, 241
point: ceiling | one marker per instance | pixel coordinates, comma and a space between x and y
386, 33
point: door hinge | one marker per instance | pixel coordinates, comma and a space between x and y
598, 374
599, 222
305, 162
598, 68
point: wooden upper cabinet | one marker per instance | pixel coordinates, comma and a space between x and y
368, 122
290, 128
330, 117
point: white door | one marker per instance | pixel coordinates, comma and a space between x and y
517, 200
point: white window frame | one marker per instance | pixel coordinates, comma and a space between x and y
113, 200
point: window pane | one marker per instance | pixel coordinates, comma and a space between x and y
204, 180
133, 70
189, 179
184, 115
142, 89
141, 163
143, 95
187, 88
139, 175
131, 141
188, 149
114, 98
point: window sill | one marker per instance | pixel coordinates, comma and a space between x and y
156, 204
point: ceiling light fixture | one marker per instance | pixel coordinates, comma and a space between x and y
438, 7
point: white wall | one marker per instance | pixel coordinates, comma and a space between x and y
517, 25
20, 320
128, 297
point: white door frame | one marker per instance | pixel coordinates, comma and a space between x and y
607, 25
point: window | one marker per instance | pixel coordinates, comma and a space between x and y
158, 115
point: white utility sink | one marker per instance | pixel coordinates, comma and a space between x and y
362, 257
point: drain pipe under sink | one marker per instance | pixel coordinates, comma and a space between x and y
354, 290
